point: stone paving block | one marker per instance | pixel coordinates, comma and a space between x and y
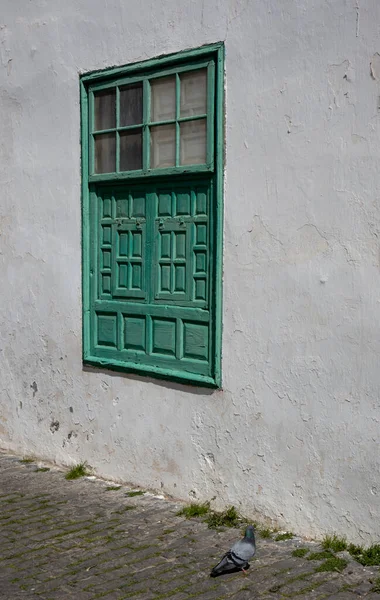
73, 539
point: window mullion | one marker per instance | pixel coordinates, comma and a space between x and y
177, 114
146, 131
91, 145
117, 132
210, 114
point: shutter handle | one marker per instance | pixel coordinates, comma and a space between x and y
160, 224
182, 222
138, 225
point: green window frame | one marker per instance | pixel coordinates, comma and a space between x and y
152, 216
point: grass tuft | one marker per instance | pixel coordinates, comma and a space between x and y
194, 510
376, 586
300, 552
265, 533
135, 493
320, 555
111, 488
77, 471
332, 564
366, 556
27, 460
283, 536
42, 469
334, 543
228, 518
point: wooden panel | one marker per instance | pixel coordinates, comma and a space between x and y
106, 330
195, 341
153, 265
134, 333
164, 336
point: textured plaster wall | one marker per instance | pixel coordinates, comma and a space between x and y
294, 434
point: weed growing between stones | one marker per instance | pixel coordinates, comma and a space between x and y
300, 552
265, 533
332, 564
320, 555
227, 518
77, 471
367, 557
112, 488
284, 536
135, 493
42, 469
376, 586
27, 460
334, 543
194, 510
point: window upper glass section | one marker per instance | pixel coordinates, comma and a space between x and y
157, 122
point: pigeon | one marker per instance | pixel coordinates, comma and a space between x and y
238, 556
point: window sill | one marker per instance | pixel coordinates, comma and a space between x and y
151, 371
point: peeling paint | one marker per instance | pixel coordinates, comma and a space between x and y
375, 66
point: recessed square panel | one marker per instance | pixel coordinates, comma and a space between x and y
107, 208
165, 245
180, 278
201, 234
122, 207
201, 202
134, 333
164, 336
107, 330
195, 341
200, 289
164, 204
164, 278
123, 243
107, 234
180, 245
183, 203
138, 205
106, 283
200, 262
136, 276
123, 276
136, 244
106, 255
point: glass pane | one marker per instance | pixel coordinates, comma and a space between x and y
105, 110
105, 153
131, 110
193, 142
131, 150
194, 93
162, 146
162, 99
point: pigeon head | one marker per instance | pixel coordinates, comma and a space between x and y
250, 532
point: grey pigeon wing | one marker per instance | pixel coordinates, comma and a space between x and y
226, 564
244, 549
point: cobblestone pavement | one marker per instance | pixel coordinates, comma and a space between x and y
79, 539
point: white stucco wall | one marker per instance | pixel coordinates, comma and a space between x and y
294, 434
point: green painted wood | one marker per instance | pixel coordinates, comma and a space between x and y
185, 57
164, 172
152, 247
